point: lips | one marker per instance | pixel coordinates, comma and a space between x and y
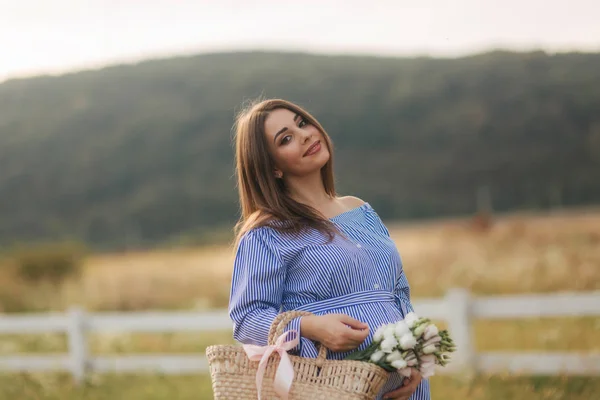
312, 148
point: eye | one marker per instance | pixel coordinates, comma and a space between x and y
284, 141
302, 123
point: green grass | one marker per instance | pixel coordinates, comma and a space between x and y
104, 387
515, 388
198, 387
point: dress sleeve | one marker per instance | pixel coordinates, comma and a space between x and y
376, 221
257, 287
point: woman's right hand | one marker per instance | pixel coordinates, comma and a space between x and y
337, 332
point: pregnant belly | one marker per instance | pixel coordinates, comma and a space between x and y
373, 314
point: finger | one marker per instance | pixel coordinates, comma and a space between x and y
357, 336
415, 374
404, 390
407, 390
345, 344
354, 323
353, 343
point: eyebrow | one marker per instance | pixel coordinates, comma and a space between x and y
285, 128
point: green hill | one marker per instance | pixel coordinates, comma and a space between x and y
140, 154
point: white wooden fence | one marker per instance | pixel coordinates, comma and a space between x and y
458, 308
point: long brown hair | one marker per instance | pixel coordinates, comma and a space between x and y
263, 198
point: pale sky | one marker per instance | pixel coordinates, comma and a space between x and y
57, 36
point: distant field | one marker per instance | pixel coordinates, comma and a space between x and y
519, 254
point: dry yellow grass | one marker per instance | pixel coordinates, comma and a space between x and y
196, 278
520, 254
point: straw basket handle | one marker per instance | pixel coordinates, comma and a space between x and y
282, 320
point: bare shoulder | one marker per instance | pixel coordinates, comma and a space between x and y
351, 201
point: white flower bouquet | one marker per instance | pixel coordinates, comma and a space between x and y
410, 343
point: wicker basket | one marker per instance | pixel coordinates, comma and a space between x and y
234, 375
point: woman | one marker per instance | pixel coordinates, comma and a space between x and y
301, 247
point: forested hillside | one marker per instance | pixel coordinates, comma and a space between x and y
140, 154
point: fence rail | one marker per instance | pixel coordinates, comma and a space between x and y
458, 308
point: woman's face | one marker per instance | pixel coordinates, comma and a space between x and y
291, 141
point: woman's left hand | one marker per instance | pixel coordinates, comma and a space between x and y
409, 387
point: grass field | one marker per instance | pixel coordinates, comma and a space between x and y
519, 254
155, 387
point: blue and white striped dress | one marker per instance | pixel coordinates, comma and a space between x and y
363, 278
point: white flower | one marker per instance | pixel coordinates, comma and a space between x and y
388, 331
433, 340
388, 344
408, 341
427, 366
427, 370
430, 332
395, 355
378, 336
401, 329
375, 357
399, 364
405, 372
410, 319
430, 358
429, 349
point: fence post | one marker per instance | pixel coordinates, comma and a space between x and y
459, 324
77, 343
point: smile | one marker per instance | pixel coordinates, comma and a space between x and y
313, 149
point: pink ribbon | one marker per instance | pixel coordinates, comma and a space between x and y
285, 371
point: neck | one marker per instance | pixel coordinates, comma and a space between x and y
308, 189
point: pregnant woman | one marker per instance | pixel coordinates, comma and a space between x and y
299, 246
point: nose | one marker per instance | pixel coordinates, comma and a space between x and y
307, 136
